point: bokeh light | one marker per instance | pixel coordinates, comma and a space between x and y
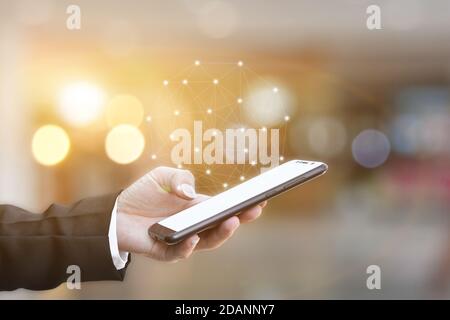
50, 145
81, 103
124, 109
264, 106
371, 148
124, 144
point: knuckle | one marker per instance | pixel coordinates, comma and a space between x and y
188, 174
156, 171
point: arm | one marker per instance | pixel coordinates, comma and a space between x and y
96, 234
36, 249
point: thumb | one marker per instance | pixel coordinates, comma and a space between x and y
179, 182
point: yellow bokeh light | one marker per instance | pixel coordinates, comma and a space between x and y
124, 109
50, 145
124, 144
81, 103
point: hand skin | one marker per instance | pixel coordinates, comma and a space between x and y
161, 193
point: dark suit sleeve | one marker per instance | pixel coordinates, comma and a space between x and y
37, 249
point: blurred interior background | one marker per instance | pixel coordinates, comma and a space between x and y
374, 105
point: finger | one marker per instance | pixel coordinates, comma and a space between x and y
250, 214
199, 198
178, 181
181, 250
215, 237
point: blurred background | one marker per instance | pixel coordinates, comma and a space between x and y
86, 112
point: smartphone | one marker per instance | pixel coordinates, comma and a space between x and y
231, 202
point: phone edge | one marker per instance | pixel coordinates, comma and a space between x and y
172, 237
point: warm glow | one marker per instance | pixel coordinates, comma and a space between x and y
268, 106
124, 109
50, 145
124, 144
81, 103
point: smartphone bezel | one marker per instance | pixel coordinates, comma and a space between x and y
169, 236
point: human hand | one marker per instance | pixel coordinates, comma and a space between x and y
161, 193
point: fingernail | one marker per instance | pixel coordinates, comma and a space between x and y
188, 190
195, 240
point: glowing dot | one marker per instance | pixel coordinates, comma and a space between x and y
185, 82
171, 137
264, 129
208, 171
214, 133
197, 62
148, 119
275, 90
242, 178
225, 185
179, 166
209, 111
197, 149
253, 163
166, 82
242, 129
281, 158
124, 109
176, 112
287, 118
239, 100
371, 148
81, 103
124, 144
50, 145
245, 150
216, 81
153, 157
240, 63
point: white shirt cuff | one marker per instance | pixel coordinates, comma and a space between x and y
119, 258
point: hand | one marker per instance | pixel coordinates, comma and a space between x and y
161, 193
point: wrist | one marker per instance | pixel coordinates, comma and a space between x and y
122, 225
132, 233
120, 230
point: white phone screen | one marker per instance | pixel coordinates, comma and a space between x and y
238, 194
